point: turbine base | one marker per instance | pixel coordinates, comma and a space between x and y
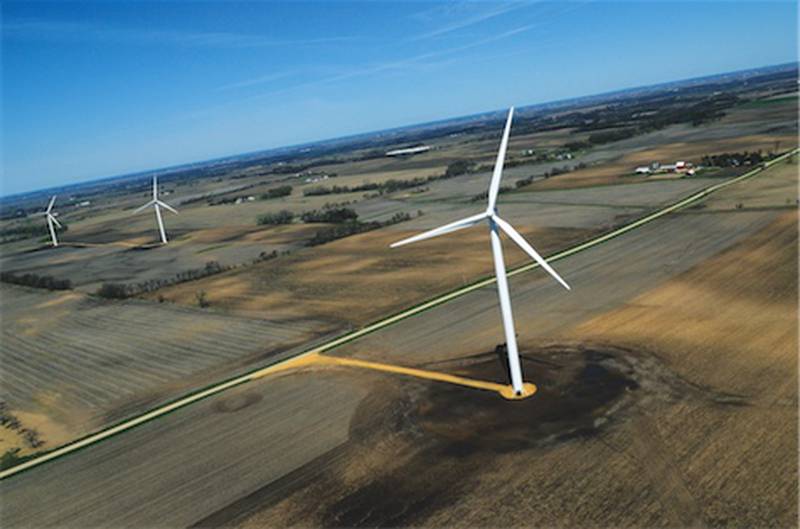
528, 390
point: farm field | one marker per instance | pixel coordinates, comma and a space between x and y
631, 421
742, 129
315, 291
600, 279
359, 278
285, 303
94, 261
106, 243
738, 318
74, 364
672, 457
778, 191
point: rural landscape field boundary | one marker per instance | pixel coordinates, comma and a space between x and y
219, 387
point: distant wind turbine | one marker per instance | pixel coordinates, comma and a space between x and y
495, 225
157, 204
52, 221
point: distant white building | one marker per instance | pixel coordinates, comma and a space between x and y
409, 151
656, 167
315, 179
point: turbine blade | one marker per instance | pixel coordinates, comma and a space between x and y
161, 230
494, 186
522, 243
441, 230
56, 221
50, 227
167, 206
155, 188
142, 208
50, 205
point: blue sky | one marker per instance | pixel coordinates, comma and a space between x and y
97, 89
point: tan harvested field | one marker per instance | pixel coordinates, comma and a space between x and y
601, 278
14, 440
734, 461
107, 243
313, 291
74, 364
703, 433
357, 279
90, 259
621, 169
780, 190
319, 290
156, 475
739, 330
619, 435
744, 128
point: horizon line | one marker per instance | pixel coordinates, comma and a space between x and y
178, 166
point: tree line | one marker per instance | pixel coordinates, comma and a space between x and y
275, 192
353, 227
10, 421
127, 290
454, 169
734, 159
28, 230
36, 281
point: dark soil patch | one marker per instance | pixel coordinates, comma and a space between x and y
416, 447
237, 402
453, 432
575, 386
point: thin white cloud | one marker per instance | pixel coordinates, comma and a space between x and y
62, 31
403, 63
446, 11
263, 79
426, 60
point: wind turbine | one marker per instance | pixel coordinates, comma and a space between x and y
157, 204
496, 224
52, 220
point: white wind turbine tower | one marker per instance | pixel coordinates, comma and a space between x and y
495, 225
52, 221
157, 204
